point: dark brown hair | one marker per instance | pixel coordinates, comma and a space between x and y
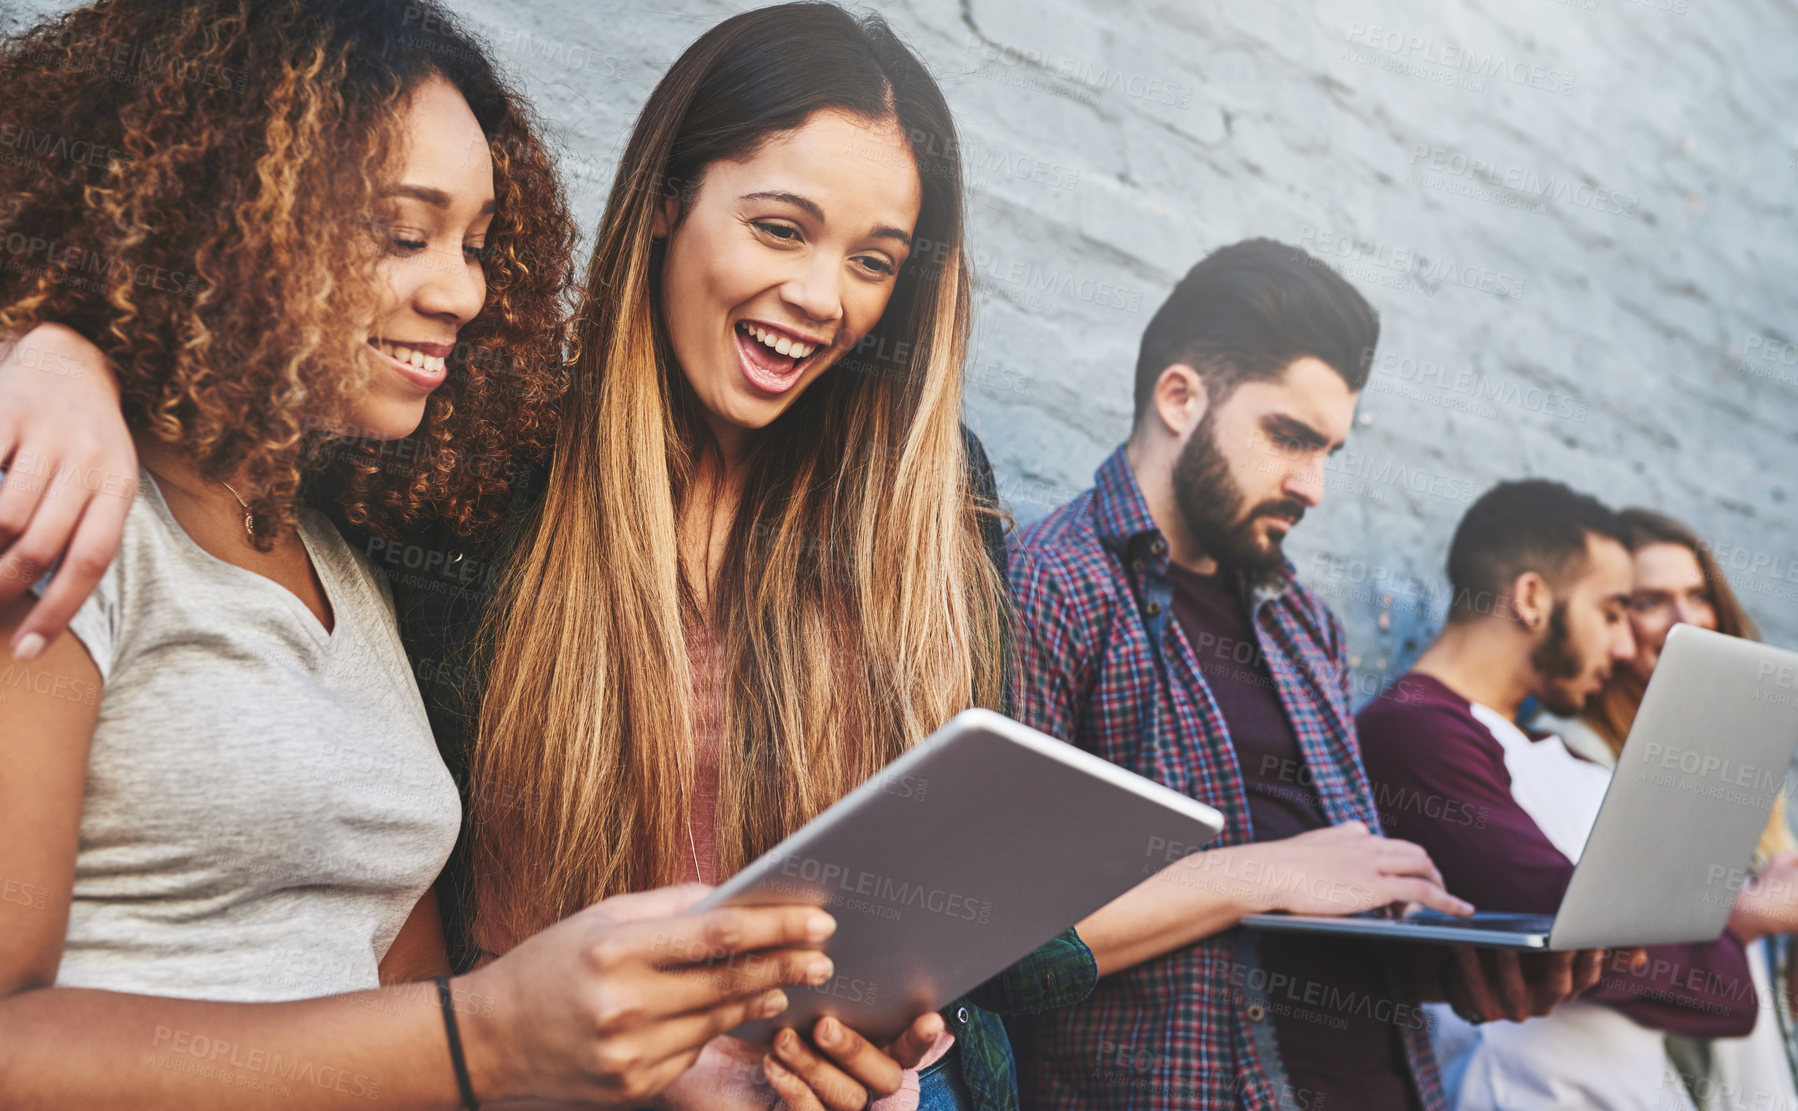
1532, 524
1246, 311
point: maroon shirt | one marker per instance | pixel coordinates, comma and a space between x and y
1439, 778
1343, 1053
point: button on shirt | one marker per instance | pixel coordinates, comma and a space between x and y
1104, 664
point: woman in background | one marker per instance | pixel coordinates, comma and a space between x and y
1677, 579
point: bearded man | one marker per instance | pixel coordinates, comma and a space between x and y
1160, 626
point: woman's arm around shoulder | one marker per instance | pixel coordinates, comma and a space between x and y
71, 476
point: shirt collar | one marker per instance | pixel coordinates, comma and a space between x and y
1124, 524
1119, 509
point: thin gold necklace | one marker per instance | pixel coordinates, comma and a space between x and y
249, 518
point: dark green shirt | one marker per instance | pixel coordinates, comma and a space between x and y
441, 585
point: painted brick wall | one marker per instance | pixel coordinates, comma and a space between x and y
1576, 218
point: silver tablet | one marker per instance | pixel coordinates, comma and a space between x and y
960, 858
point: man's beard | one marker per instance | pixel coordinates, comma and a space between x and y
1211, 503
1554, 659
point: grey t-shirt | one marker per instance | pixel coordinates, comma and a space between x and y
265, 803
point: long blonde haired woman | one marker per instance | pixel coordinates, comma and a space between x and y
762, 562
1678, 579
222, 810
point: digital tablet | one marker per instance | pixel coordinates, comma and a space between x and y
958, 859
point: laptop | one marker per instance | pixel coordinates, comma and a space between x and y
957, 860
1697, 778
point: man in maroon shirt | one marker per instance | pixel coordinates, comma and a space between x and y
1541, 584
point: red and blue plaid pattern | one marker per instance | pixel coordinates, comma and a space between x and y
1191, 1029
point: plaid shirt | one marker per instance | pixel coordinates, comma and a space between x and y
1103, 664
1058, 974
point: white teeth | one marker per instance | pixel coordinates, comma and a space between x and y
402, 354
781, 344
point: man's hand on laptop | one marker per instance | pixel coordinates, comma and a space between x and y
1346, 869
1340, 870
1486, 984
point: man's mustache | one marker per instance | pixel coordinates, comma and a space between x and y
1290, 509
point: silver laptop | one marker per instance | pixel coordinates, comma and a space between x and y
958, 859
1707, 755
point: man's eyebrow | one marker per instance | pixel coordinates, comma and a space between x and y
436, 198
1296, 429
810, 208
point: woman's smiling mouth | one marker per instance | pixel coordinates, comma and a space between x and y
773, 359
423, 364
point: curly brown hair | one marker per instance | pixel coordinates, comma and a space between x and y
194, 187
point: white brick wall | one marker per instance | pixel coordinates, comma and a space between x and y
1629, 332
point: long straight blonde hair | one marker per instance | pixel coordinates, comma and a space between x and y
856, 607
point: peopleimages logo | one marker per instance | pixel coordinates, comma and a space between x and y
1693, 772
46, 146
71, 263
1370, 475
1431, 164
1454, 56
1354, 257
1786, 676
1395, 373
1767, 350
1738, 557
885, 890
213, 1053
1091, 78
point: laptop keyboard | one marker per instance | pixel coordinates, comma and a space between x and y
1495, 921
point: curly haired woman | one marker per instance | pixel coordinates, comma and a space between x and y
222, 809
764, 558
